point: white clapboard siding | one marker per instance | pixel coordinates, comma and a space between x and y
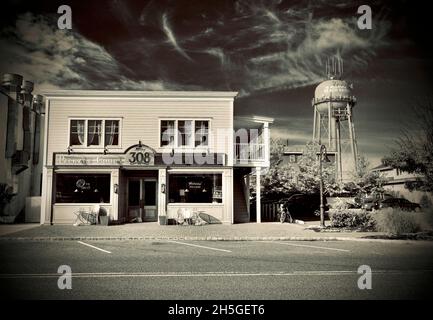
140, 119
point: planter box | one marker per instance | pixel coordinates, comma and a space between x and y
162, 220
103, 220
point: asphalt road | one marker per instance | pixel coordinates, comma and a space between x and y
215, 269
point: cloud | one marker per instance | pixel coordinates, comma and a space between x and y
218, 53
272, 48
171, 37
54, 58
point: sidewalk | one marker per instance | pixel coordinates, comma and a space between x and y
154, 231
6, 229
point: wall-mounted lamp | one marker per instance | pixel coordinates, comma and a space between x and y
163, 188
116, 188
105, 150
70, 149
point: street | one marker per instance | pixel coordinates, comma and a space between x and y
169, 269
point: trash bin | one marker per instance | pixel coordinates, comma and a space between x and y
163, 220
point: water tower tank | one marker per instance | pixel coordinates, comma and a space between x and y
337, 93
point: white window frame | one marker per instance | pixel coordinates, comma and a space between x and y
102, 145
176, 135
192, 172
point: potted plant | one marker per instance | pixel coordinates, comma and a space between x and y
103, 217
6, 195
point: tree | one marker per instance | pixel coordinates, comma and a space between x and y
413, 152
283, 179
277, 182
364, 181
307, 174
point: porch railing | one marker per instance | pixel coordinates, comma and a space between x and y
249, 152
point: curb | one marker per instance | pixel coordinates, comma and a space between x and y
210, 238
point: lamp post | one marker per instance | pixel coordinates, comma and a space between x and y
323, 157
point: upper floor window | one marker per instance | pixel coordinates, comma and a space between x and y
167, 133
184, 133
201, 133
94, 132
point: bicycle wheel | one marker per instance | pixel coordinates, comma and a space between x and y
283, 217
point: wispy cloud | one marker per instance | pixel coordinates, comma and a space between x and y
171, 37
54, 58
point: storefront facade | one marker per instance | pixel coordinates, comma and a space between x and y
142, 156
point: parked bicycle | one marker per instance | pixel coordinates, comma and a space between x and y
283, 214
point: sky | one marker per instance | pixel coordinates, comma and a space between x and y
272, 52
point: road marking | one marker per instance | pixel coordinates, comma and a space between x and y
211, 274
307, 246
198, 246
89, 245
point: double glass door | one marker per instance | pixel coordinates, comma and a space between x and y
142, 199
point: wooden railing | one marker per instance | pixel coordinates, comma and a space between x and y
249, 152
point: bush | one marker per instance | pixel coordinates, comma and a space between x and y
425, 202
351, 218
338, 203
398, 222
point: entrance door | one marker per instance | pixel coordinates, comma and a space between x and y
142, 199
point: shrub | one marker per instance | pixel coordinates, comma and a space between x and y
398, 222
338, 203
351, 218
425, 202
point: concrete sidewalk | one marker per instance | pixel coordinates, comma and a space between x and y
149, 231
6, 229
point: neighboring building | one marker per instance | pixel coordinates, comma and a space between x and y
149, 155
395, 183
291, 155
21, 126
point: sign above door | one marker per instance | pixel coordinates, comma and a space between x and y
136, 155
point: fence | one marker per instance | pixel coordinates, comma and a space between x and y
269, 210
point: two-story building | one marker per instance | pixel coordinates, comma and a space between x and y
149, 154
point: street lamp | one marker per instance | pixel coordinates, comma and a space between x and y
323, 157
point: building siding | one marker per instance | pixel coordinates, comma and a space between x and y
140, 120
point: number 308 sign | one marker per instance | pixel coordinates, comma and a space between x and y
140, 156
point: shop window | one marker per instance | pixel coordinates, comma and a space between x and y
82, 188
195, 188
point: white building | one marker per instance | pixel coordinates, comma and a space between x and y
148, 154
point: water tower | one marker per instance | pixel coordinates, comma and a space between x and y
333, 118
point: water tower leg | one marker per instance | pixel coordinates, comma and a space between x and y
333, 134
352, 136
339, 160
315, 124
